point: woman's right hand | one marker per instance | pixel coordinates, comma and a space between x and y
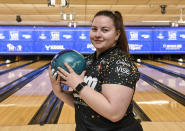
56, 84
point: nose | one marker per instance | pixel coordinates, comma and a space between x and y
98, 33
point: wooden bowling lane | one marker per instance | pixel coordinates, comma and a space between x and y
2, 61
19, 108
158, 106
13, 75
174, 62
168, 67
67, 115
12, 65
147, 126
177, 84
37, 64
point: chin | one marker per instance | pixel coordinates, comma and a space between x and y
98, 48
98, 45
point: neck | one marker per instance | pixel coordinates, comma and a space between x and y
97, 54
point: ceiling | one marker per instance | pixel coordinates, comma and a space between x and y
135, 12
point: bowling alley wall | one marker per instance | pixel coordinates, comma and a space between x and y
43, 40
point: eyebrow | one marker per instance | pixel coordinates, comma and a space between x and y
101, 27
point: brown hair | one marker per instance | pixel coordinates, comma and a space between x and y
118, 23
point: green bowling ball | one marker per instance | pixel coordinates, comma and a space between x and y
72, 57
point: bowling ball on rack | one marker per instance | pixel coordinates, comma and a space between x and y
72, 57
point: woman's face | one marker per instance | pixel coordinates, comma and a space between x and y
103, 34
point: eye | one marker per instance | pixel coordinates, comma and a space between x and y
93, 29
105, 30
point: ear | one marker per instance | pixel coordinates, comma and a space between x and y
117, 34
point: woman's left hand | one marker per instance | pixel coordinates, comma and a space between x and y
71, 78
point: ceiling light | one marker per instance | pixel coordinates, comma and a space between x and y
51, 2
71, 16
74, 24
64, 3
70, 24
64, 16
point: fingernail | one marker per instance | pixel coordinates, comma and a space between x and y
55, 75
52, 71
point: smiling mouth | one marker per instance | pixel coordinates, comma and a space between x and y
98, 41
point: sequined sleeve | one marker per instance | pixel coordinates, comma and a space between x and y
121, 70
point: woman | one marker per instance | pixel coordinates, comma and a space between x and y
102, 95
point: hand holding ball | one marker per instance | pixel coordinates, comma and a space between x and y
72, 58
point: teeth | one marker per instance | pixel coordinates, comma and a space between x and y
52, 71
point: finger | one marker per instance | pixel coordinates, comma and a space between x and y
49, 67
52, 78
83, 73
69, 68
58, 78
55, 75
62, 71
62, 75
52, 71
49, 71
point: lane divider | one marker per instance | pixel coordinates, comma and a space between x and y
50, 110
